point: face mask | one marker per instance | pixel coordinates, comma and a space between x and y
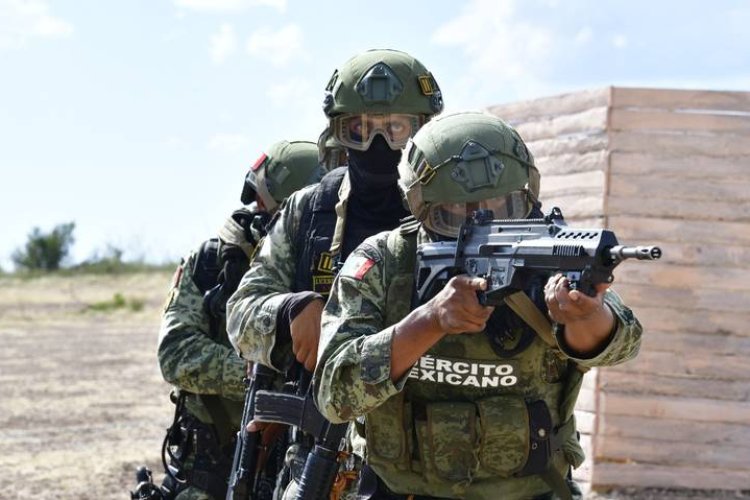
374, 168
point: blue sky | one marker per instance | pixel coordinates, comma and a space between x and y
138, 119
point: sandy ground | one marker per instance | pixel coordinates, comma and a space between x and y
82, 403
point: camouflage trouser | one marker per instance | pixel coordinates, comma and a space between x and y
204, 463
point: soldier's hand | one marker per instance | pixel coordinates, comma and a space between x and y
305, 332
456, 308
570, 306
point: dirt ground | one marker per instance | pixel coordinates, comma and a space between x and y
82, 402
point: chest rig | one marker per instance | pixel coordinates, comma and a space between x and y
472, 418
315, 262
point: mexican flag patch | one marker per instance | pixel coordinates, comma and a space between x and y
356, 266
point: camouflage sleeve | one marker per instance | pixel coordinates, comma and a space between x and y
624, 343
188, 357
253, 308
354, 355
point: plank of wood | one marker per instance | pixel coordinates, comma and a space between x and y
694, 409
714, 145
673, 319
642, 206
709, 258
660, 120
576, 207
623, 97
564, 164
617, 449
585, 421
617, 475
687, 341
636, 377
551, 106
583, 182
692, 301
649, 227
592, 120
662, 431
575, 143
735, 190
719, 276
587, 400
663, 165
695, 365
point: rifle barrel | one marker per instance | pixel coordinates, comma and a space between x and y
621, 252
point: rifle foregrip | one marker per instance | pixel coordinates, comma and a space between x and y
319, 474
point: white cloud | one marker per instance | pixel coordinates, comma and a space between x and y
22, 20
229, 143
278, 47
502, 50
620, 41
229, 5
223, 43
292, 91
584, 36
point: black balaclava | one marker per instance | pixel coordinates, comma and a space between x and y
375, 202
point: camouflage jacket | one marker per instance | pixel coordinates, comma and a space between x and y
190, 358
253, 309
352, 379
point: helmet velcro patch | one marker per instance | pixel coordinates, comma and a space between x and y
263, 157
427, 84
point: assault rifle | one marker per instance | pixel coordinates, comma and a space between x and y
245, 476
299, 410
509, 252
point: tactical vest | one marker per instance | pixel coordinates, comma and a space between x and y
224, 413
315, 263
469, 422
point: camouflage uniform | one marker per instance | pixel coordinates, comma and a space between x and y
194, 353
461, 422
198, 361
374, 102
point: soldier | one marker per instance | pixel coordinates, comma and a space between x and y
374, 103
194, 352
437, 423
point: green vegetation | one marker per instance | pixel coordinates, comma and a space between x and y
45, 251
118, 302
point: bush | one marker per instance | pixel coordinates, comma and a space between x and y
45, 251
118, 302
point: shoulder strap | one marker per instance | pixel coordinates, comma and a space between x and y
524, 307
316, 228
401, 250
207, 265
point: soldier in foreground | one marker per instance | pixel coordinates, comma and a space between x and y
375, 102
455, 399
194, 352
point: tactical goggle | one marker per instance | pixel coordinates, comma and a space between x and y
357, 131
447, 218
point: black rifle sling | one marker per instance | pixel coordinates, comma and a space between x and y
314, 262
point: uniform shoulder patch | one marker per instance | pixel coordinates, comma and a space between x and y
357, 266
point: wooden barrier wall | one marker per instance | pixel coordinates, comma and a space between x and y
666, 167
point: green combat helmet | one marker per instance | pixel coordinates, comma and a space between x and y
284, 168
330, 153
462, 162
380, 91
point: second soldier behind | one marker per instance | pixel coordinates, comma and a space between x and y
194, 352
